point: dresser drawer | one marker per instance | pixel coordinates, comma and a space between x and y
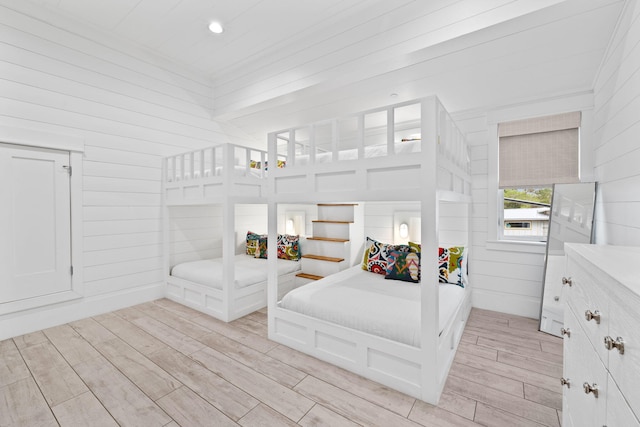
624, 323
587, 293
582, 365
618, 411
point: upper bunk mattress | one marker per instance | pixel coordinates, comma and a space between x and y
247, 270
368, 302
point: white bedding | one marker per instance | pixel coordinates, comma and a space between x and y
247, 270
370, 303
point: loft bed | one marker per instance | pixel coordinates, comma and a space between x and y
406, 152
214, 174
212, 198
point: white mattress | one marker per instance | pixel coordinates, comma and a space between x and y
370, 303
247, 270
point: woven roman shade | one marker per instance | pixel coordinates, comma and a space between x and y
539, 152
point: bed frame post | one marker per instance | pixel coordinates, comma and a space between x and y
391, 130
272, 272
166, 234
228, 255
430, 380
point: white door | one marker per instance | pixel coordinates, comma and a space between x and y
35, 222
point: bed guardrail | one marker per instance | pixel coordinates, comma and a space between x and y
217, 160
330, 155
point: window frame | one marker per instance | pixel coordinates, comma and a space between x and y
495, 203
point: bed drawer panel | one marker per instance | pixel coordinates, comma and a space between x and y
395, 367
336, 346
290, 331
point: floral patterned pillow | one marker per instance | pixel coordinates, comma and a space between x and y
288, 247
376, 254
403, 266
261, 249
451, 262
252, 242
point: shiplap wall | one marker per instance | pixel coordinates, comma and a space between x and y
617, 126
249, 217
195, 233
453, 221
507, 277
503, 280
130, 109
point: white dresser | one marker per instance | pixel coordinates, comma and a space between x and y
601, 331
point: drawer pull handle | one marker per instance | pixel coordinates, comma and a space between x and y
565, 381
567, 281
618, 343
591, 389
565, 331
595, 315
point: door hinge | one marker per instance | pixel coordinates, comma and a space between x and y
68, 168
71, 270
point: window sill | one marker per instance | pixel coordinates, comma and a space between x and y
517, 246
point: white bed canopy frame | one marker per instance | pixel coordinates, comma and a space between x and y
438, 173
219, 175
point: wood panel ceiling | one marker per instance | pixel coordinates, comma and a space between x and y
285, 62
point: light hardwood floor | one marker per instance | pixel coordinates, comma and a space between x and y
162, 364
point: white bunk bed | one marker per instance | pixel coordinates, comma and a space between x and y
406, 152
227, 176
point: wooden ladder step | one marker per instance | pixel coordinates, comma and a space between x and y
323, 258
328, 239
309, 276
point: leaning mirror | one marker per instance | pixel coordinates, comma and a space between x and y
570, 221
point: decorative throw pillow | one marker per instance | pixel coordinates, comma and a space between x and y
376, 254
451, 262
415, 247
288, 247
261, 249
254, 164
403, 266
252, 242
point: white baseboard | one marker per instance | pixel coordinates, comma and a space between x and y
24, 322
520, 305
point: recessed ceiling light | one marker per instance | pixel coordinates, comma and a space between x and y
216, 28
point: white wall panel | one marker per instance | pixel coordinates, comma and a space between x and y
617, 124
130, 109
502, 280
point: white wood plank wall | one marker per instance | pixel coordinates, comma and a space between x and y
378, 218
249, 217
616, 127
503, 280
195, 233
131, 109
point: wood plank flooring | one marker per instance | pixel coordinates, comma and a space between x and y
163, 364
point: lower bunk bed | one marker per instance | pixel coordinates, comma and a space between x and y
199, 284
359, 321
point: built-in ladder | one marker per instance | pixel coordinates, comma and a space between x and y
328, 250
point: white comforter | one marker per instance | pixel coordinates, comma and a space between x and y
370, 303
247, 270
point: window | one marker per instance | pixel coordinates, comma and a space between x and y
533, 155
